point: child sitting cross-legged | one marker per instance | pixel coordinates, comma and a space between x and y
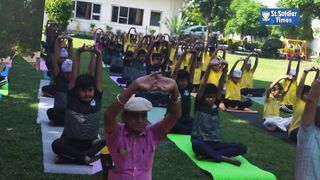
206, 133
271, 111
79, 141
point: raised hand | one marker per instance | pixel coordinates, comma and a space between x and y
146, 83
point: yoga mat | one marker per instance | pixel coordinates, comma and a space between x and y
4, 90
44, 104
49, 134
114, 79
256, 120
5, 72
42, 83
259, 100
45, 75
9, 64
221, 170
43, 66
156, 114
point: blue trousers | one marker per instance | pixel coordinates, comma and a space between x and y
215, 150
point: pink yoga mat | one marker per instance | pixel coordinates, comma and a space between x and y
43, 66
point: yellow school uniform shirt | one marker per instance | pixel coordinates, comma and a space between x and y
132, 48
172, 53
233, 90
298, 108
197, 76
290, 96
214, 77
271, 107
126, 43
186, 61
206, 60
247, 79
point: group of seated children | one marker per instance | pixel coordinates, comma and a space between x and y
158, 71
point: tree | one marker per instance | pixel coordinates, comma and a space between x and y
309, 9
176, 24
22, 26
59, 11
245, 18
214, 12
193, 13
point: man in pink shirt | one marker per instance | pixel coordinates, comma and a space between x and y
132, 144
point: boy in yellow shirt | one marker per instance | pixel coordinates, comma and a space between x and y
232, 99
247, 78
299, 104
271, 111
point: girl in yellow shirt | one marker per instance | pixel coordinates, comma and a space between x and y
247, 78
290, 97
271, 111
299, 104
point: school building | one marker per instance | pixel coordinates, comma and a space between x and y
123, 14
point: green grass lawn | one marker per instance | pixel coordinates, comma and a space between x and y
21, 146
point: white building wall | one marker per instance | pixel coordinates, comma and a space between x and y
169, 8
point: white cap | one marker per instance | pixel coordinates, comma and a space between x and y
137, 104
63, 53
249, 61
179, 53
293, 72
66, 66
237, 73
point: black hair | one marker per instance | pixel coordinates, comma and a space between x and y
119, 46
278, 87
141, 51
210, 89
183, 74
84, 81
156, 55
305, 89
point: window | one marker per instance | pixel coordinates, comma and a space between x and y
155, 18
85, 10
125, 15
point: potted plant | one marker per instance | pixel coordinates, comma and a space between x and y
92, 26
152, 31
109, 28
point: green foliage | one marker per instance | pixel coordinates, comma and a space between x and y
233, 45
152, 31
92, 26
318, 60
108, 28
214, 12
59, 11
193, 13
245, 18
270, 48
309, 10
21, 26
176, 24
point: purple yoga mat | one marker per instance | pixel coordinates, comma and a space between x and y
96, 167
9, 64
43, 66
115, 78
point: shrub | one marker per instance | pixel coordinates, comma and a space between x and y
270, 48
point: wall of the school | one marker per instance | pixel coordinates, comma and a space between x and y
169, 8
